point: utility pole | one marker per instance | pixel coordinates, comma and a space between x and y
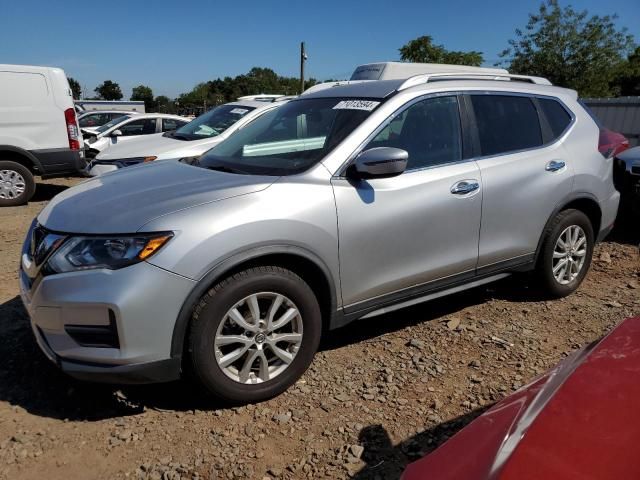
303, 58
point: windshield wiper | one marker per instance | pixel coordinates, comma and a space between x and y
226, 169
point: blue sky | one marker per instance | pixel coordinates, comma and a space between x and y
172, 45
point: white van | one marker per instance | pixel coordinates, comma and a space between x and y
39, 134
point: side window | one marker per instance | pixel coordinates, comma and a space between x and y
428, 130
144, 126
169, 124
506, 123
558, 118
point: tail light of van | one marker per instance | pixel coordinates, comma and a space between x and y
72, 129
611, 143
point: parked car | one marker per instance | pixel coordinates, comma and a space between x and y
190, 140
577, 421
626, 177
39, 133
124, 129
345, 203
96, 118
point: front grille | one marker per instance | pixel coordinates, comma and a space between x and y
97, 336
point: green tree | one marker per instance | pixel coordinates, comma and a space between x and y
164, 104
423, 50
570, 48
109, 90
76, 89
144, 94
627, 79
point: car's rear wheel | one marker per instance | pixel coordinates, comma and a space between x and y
566, 253
254, 334
17, 184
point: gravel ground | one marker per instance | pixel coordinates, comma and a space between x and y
381, 392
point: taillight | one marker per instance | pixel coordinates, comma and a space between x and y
72, 129
611, 143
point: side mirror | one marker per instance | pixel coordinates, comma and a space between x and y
116, 133
380, 162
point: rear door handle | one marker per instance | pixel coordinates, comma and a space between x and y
554, 166
465, 186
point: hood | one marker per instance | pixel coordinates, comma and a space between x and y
123, 201
156, 144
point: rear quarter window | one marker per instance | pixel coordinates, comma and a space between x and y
556, 115
506, 123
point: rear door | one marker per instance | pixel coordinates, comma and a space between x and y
525, 169
400, 235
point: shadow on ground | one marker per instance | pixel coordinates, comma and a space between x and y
384, 461
46, 191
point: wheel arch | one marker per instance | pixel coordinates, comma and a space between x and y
587, 204
21, 156
297, 259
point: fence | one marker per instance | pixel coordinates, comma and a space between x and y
619, 114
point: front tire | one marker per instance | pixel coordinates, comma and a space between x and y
566, 253
17, 184
254, 334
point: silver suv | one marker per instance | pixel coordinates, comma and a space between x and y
350, 201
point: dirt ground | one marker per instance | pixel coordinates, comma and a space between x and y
380, 393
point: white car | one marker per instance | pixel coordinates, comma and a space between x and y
191, 140
94, 119
127, 128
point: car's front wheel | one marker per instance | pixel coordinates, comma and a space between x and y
17, 184
254, 334
566, 253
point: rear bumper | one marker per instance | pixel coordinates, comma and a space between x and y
58, 162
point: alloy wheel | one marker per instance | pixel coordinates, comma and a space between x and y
569, 254
258, 338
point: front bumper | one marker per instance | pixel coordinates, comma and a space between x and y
142, 301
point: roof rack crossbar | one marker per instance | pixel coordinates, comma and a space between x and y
427, 77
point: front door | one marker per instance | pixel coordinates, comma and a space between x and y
398, 235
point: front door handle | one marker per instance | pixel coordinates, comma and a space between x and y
465, 186
554, 165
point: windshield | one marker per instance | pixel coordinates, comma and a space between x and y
213, 123
291, 138
112, 123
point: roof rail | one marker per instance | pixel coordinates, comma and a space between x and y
325, 85
427, 77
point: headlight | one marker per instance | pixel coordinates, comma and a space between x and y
85, 253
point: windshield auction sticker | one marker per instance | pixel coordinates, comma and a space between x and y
239, 111
367, 105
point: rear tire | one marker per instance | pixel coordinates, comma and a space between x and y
17, 184
566, 253
272, 353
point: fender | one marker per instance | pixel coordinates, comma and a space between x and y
24, 153
219, 271
571, 197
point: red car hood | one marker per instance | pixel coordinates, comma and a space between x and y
581, 420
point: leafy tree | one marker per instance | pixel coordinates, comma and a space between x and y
627, 80
164, 104
76, 89
109, 90
144, 94
423, 50
570, 48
